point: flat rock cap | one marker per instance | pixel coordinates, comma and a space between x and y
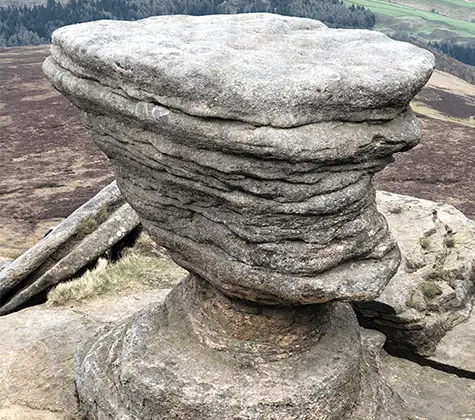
262, 69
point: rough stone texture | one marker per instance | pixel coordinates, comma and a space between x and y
265, 213
257, 373
431, 394
457, 347
33, 371
79, 240
4, 263
38, 345
377, 396
434, 287
247, 145
250, 67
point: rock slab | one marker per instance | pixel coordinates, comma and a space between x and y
57, 332
254, 68
434, 288
38, 345
456, 348
432, 394
76, 242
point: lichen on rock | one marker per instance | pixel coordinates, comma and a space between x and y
433, 290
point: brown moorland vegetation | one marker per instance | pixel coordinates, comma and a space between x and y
48, 163
440, 168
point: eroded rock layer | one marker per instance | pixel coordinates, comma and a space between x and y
195, 372
250, 67
263, 212
433, 290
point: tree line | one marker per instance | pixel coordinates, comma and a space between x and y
464, 52
33, 25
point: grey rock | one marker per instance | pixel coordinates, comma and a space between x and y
253, 207
33, 370
433, 290
431, 394
456, 348
263, 69
306, 363
80, 239
378, 400
38, 345
4, 263
32, 259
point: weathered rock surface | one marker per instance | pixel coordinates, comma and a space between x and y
37, 375
4, 263
255, 374
38, 345
434, 287
79, 240
457, 347
247, 145
265, 213
226, 66
431, 394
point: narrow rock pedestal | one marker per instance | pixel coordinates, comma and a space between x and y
247, 145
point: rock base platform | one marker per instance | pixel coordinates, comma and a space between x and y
202, 355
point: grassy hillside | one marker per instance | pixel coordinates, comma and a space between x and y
447, 98
458, 9
448, 17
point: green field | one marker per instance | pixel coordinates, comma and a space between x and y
392, 16
458, 9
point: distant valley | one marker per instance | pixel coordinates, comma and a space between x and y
447, 26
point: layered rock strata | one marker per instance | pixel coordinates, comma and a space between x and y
247, 145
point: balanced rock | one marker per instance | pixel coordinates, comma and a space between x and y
247, 145
433, 290
76, 242
263, 212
